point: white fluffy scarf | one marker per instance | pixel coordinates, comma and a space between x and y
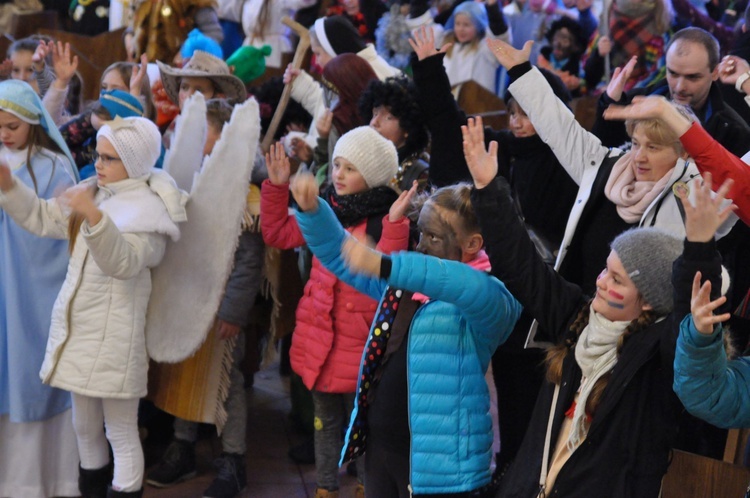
596, 354
148, 204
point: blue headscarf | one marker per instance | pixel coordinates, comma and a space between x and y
477, 12
18, 98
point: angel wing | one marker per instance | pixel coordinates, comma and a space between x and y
188, 285
185, 156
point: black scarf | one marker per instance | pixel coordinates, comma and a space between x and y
352, 209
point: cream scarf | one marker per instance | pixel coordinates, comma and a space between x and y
632, 197
596, 354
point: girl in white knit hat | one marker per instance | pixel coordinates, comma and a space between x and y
118, 224
332, 318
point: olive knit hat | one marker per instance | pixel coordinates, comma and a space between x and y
137, 142
647, 255
374, 157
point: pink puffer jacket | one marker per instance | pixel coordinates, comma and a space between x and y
333, 319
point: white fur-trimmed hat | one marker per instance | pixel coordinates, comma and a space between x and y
137, 142
374, 157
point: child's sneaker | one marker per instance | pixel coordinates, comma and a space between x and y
177, 465
232, 477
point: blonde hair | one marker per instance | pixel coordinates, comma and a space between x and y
658, 132
455, 198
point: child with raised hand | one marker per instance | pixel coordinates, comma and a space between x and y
710, 386
422, 407
332, 317
38, 453
606, 418
117, 226
467, 56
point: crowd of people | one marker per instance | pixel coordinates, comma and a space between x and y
601, 273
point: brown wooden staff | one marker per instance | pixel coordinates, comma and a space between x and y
299, 56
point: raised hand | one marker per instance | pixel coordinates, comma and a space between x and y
703, 219
360, 258
324, 124
620, 77
277, 164
64, 65
482, 162
506, 54
702, 308
39, 59
400, 205
642, 107
423, 43
6, 178
301, 150
137, 76
731, 67
305, 191
80, 200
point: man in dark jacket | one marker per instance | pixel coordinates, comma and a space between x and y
692, 71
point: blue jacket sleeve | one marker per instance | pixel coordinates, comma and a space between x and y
324, 236
710, 387
483, 300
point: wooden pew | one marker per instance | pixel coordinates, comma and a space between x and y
94, 53
697, 476
476, 100
5, 42
23, 25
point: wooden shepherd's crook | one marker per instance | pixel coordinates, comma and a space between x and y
299, 56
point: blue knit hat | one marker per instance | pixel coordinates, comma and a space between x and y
119, 103
477, 12
198, 41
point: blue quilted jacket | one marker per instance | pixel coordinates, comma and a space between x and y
450, 343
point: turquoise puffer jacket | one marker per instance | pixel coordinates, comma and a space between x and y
450, 343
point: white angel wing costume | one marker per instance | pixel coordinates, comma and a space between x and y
188, 285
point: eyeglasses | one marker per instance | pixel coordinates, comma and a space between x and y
105, 159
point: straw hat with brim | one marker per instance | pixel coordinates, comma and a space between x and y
202, 65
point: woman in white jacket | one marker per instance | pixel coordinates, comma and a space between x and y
118, 224
617, 189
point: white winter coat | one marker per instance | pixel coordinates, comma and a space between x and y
96, 344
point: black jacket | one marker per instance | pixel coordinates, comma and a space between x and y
626, 451
723, 123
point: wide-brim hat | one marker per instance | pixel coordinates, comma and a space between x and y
202, 65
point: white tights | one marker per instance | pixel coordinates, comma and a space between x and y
119, 417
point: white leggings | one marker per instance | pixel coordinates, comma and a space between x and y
119, 417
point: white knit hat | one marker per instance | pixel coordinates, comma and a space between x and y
137, 142
374, 157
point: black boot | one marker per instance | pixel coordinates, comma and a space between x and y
92, 483
111, 493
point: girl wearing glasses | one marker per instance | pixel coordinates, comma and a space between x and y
117, 226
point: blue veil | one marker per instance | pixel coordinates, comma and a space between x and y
18, 98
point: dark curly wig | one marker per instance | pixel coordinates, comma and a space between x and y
399, 95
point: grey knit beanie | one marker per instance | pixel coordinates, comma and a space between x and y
137, 142
374, 157
647, 255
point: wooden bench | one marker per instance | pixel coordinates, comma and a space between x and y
23, 25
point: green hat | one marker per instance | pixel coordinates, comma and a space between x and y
249, 62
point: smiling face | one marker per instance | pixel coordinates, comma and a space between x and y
347, 179
563, 44
651, 160
388, 126
109, 166
14, 132
464, 29
688, 73
617, 298
518, 122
